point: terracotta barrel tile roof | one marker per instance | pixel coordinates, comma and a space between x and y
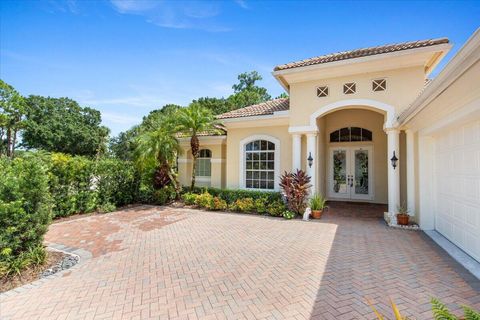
362, 53
261, 109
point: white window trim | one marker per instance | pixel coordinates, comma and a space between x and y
276, 161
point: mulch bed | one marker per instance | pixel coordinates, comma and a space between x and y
32, 273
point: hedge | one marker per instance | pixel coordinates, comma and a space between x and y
25, 208
232, 195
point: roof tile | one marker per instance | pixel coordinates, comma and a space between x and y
261, 109
361, 53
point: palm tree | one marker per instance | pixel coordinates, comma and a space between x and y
191, 121
158, 149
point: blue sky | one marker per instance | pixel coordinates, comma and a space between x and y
126, 58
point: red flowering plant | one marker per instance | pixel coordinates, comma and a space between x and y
295, 187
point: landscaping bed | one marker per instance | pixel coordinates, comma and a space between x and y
55, 261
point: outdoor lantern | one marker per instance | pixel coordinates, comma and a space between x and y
310, 160
394, 160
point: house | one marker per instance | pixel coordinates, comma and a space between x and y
349, 116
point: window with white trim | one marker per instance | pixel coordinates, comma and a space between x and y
204, 164
260, 165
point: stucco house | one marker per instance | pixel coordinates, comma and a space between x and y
348, 114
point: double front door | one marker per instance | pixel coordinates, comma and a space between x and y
350, 173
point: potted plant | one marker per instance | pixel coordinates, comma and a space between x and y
317, 204
402, 215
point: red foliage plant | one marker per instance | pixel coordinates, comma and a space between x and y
295, 187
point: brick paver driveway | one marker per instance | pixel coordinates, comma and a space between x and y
166, 263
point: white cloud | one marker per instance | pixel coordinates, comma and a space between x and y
122, 119
242, 4
172, 14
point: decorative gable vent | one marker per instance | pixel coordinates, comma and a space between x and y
349, 88
322, 91
379, 85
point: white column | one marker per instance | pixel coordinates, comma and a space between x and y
410, 141
393, 174
296, 151
312, 150
426, 179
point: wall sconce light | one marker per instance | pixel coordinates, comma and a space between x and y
394, 161
310, 160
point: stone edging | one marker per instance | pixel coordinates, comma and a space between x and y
83, 256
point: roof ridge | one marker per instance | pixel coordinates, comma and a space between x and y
263, 108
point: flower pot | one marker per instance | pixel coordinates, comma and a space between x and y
402, 219
317, 214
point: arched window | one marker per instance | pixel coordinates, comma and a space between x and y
204, 165
351, 134
260, 165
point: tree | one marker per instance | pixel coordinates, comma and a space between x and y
123, 146
283, 95
246, 93
12, 118
61, 125
215, 105
158, 149
191, 121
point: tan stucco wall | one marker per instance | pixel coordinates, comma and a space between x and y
372, 121
218, 166
403, 86
235, 136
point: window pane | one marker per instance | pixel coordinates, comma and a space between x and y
249, 156
271, 146
256, 145
256, 156
256, 165
263, 184
263, 145
270, 176
249, 165
356, 134
249, 146
366, 135
249, 184
270, 165
344, 134
270, 156
335, 136
270, 185
249, 174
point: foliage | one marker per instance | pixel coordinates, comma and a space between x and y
12, 118
276, 208
441, 312
215, 105
189, 198
191, 121
217, 204
245, 205
25, 209
402, 209
282, 95
159, 148
61, 125
204, 200
246, 92
164, 195
123, 146
295, 187
317, 202
396, 312
289, 214
261, 205
232, 195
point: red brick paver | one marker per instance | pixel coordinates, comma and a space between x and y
165, 263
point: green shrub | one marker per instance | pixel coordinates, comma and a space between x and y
276, 208
230, 196
25, 210
261, 205
189, 198
245, 205
164, 195
204, 200
217, 204
289, 214
106, 207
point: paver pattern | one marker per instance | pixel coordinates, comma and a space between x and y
175, 263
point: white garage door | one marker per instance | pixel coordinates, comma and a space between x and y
457, 169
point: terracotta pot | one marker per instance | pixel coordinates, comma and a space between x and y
402, 219
317, 214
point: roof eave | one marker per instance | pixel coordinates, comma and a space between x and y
434, 48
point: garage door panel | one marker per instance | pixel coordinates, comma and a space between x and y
457, 166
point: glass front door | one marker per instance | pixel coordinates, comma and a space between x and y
350, 173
